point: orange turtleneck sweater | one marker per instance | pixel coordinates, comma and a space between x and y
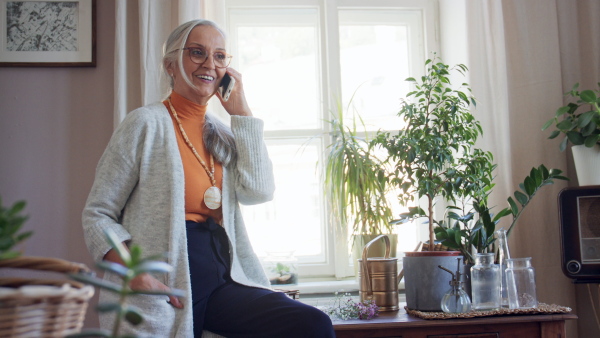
197, 180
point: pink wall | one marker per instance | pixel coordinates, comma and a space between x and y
54, 125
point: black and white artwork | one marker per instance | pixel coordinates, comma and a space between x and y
41, 26
47, 33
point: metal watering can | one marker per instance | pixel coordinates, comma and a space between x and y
378, 278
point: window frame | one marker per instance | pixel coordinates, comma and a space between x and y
337, 263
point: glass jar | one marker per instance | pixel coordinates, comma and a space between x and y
281, 267
485, 283
520, 281
503, 255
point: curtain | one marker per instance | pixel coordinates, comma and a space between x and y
142, 26
523, 55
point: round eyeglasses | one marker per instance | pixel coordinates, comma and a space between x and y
199, 56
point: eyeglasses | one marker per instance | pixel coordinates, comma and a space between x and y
199, 56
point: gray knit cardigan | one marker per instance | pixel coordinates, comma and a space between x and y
138, 192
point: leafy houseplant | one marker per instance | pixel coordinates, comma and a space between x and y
434, 156
355, 181
134, 266
581, 119
11, 222
473, 230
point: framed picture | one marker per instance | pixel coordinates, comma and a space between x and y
48, 33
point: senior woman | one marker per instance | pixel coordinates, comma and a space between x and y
170, 180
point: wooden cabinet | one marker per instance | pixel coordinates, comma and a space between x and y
399, 324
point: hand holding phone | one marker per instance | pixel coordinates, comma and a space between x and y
226, 86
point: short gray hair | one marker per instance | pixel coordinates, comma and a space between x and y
218, 138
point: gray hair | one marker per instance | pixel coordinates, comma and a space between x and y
218, 138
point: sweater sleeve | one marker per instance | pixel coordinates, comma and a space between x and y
117, 174
253, 169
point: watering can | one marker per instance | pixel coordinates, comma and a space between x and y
378, 278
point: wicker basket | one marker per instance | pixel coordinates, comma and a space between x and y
28, 309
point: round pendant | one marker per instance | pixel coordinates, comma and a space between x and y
212, 198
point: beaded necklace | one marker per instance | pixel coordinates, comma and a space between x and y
212, 195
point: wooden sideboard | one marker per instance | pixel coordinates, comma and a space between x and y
399, 324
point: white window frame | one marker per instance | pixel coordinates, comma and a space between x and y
337, 264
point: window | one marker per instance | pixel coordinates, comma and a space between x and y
298, 59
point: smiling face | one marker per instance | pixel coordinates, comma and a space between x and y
204, 77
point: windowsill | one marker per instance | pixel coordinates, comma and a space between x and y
317, 286
325, 287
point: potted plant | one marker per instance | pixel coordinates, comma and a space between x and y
434, 158
471, 230
356, 185
580, 124
135, 265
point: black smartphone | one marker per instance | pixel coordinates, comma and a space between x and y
226, 86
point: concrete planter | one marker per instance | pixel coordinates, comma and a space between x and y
424, 282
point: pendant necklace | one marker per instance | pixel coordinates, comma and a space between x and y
212, 195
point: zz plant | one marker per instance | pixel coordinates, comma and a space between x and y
473, 230
134, 266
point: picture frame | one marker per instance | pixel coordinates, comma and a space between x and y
48, 33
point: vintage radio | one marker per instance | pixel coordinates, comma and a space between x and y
579, 212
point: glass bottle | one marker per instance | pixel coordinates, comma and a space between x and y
456, 300
520, 281
485, 283
503, 255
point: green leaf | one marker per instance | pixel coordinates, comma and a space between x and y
585, 118
152, 266
16, 208
504, 212
548, 124
91, 333
529, 185
114, 268
591, 140
563, 144
172, 292
116, 244
562, 110
588, 96
96, 282
133, 315
575, 137
521, 197
108, 307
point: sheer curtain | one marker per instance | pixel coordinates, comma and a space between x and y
523, 55
142, 26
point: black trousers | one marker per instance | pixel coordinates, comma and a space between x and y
225, 307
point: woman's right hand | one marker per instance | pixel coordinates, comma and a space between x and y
146, 281
143, 281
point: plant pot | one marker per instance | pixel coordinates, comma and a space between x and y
425, 283
587, 162
377, 249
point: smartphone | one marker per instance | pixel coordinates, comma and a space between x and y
226, 86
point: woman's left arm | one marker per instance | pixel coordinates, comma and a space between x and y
253, 171
254, 182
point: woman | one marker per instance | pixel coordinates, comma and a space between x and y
172, 175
